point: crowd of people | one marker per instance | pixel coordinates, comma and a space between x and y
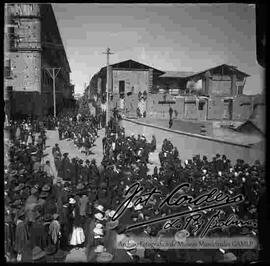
47, 214
82, 130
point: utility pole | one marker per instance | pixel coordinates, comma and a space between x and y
108, 83
53, 72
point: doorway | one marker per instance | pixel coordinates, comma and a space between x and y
121, 87
227, 115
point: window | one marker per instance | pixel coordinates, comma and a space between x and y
201, 105
8, 68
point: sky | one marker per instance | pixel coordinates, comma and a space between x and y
176, 37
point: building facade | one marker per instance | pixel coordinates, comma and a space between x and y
33, 46
216, 93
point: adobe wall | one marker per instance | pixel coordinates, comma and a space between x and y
189, 144
242, 107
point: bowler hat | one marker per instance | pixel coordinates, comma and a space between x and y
228, 257
37, 253
46, 188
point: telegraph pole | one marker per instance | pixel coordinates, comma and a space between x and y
53, 72
108, 83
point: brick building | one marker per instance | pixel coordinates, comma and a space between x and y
32, 44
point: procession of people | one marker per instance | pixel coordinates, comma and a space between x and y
50, 214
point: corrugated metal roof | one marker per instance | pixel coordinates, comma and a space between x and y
176, 74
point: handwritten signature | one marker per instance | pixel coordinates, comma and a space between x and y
207, 201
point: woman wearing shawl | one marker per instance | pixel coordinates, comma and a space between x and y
20, 234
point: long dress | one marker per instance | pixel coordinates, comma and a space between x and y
77, 236
20, 236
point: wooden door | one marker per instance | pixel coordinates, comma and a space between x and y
202, 110
227, 115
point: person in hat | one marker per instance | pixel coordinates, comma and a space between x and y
55, 149
65, 226
37, 233
20, 233
38, 255
64, 167
48, 169
127, 254
54, 230
111, 236
95, 218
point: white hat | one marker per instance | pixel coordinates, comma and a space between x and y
99, 226
99, 216
107, 212
111, 213
100, 208
131, 244
219, 173
138, 207
181, 235
72, 201
204, 171
235, 174
186, 161
99, 249
98, 231
229, 257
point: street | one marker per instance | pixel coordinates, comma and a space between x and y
68, 146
